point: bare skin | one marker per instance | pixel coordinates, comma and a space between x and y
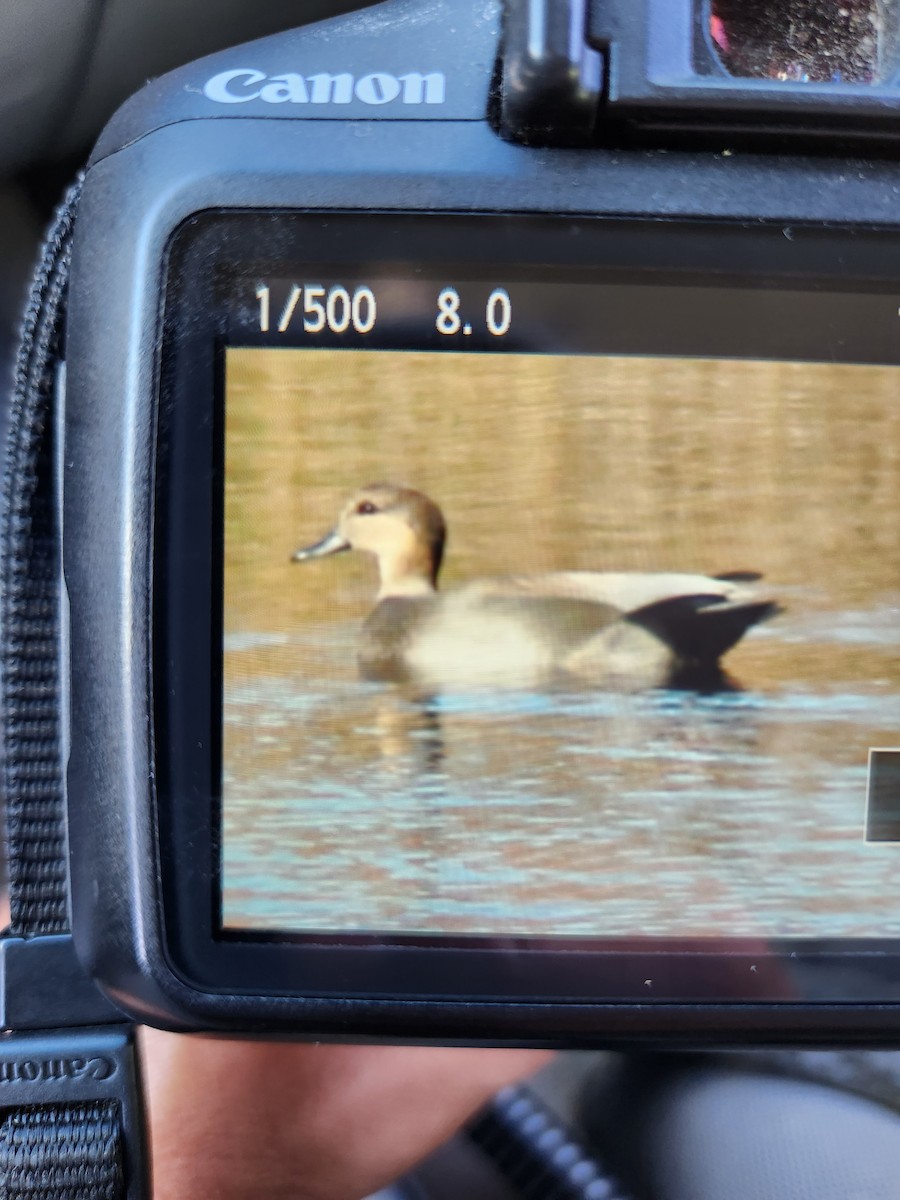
236, 1119
251, 1120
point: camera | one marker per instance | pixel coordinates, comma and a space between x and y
474, 468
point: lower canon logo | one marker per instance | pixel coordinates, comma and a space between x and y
46, 1070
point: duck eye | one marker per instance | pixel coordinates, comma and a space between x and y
365, 507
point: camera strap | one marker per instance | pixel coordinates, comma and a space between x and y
71, 1125
29, 617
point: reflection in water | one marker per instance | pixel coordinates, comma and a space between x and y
356, 805
660, 812
409, 730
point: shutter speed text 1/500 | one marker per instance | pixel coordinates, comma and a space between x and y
315, 309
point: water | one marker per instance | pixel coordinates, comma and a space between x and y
589, 814
572, 811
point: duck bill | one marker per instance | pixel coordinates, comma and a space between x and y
331, 543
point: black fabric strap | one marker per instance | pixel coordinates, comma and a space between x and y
29, 607
68, 1150
70, 1120
71, 1115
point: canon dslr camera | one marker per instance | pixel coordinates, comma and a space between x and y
451, 571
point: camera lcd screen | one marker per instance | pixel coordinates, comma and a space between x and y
555, 589
555, 644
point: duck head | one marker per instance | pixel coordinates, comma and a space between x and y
401, 527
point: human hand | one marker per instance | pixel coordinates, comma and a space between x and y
234, 1119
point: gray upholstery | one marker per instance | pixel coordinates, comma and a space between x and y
44, 46
714, 1132
66, 65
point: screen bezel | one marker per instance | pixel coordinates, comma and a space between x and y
208, 254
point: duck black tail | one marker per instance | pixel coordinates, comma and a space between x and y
700, 629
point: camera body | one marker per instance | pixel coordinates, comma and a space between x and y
448, 167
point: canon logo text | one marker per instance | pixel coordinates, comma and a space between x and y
45, 1070
240, 85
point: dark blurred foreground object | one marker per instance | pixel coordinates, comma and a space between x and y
807, 41
20, 231
68, 64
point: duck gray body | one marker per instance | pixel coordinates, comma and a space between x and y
609, 629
